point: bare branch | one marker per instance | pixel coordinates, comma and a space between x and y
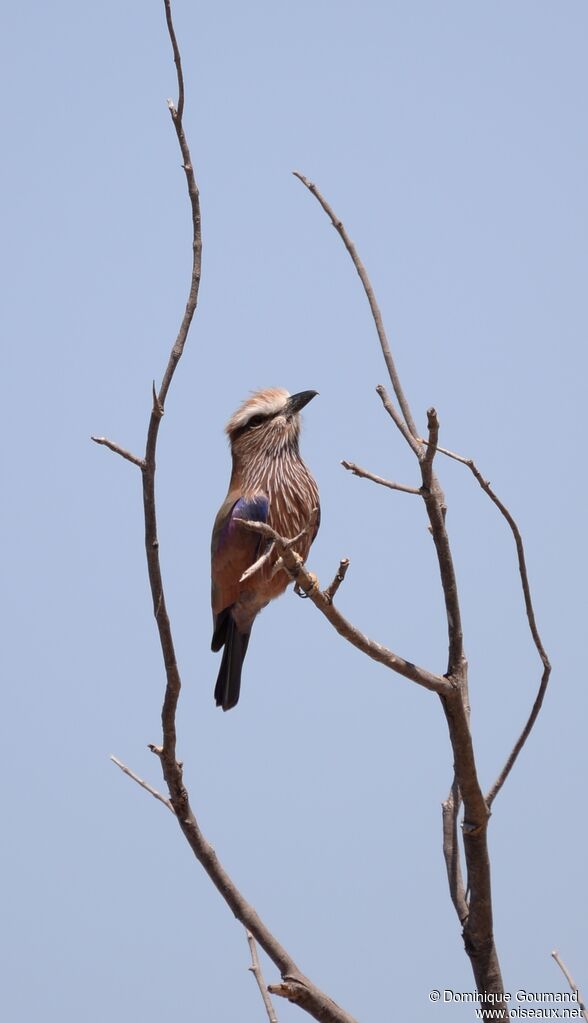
286, 990
450, 810
308, 583
427, 463
257, 973
151, 542
573, 986
308, 996
397, 419
341, 573
144, 785
119, 451
364, 474
337, 224
434, 500
177, 58
257, 565
485, 485
478, 927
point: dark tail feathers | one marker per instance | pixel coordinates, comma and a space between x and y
228, 683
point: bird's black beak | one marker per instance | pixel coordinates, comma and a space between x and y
296, 402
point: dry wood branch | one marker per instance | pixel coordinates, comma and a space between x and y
397, 419
364, 474
257, 565
308, 583
339, 577
573, 986
257, 973
337, 224
450, 810
173, 686
530, 612
427, 464
478, 932
119, 451
435, 504
307, 995
144, 785
177, 57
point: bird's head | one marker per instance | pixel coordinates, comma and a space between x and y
267, 422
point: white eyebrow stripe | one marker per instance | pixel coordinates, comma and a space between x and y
266, 403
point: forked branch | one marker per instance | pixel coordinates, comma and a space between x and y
476, 917
323, 599
530, 612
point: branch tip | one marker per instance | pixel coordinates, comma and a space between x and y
364, 474
144, 785
128, 455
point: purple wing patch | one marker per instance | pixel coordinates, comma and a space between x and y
254, 508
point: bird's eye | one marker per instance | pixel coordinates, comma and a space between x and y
255, 421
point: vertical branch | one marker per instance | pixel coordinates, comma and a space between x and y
151, 541
298, 987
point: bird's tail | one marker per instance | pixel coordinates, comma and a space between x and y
228, 683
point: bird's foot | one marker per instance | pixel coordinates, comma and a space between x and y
307, 593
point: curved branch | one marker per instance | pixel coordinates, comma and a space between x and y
573, 986
151, 542
303, 991
338, 225
485, 485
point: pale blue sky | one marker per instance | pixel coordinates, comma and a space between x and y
452, 140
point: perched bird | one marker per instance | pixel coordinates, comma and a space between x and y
269, 483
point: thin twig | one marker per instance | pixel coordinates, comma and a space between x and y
485, 485
574, 987
337, 224
177, 58
257, 565
364, 474
255, 969
341, 573
143, 784
119, 451
308, 583
397, 419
